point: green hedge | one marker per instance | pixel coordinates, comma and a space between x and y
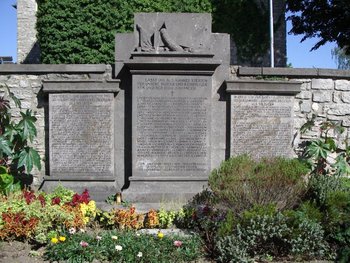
82, 31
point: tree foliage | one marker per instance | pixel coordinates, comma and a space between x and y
83, 31
342, 60
248, 25
327, 20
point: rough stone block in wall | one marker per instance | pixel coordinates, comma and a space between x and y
321, 96
339, 109
304, 95
305, 106
296, 106
318, 109
345, 97
346, 122
337, 96
341, 97
342, 85
322, 84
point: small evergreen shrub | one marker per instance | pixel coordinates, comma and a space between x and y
264, 231
232, 249
241, 182
337, 217
254, 236
308, 240
320, 186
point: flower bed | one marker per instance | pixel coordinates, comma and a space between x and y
70, 227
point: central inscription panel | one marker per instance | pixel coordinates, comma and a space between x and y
171, 125
262, 125
81, 134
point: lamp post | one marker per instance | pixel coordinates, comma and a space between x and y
272, 55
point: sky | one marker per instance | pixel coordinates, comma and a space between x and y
298, 54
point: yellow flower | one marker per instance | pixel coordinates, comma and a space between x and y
62, 239
114, 237
160, 235
86, 220
54, 240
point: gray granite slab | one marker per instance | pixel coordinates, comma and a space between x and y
81, 134
171, 126
262, 125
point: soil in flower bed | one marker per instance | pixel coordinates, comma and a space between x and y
19, 252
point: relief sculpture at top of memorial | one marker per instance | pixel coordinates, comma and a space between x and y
160, 40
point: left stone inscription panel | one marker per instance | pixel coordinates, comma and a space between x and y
81, 134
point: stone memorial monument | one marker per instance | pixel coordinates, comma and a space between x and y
175, 66
169, 116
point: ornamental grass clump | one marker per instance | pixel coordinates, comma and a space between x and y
242, 182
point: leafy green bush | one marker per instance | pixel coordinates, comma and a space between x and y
83, 31
321, 185
264, 231
307, 238
114, 246
233, 249
241, 182
337, 214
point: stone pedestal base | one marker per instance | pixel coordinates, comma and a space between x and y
159, 192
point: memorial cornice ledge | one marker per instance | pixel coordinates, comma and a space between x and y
172, 63
52, 68
81, 86
169, 178
263, 87
74, 177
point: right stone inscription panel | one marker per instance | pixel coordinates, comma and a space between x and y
171, 125
261, 125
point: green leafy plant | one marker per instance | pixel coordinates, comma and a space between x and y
325, 155
166, 218
7, 182
241, 182
16, 137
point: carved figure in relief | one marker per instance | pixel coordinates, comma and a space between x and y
147, 41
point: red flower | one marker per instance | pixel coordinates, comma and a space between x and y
78, 199
29, 196
56, 201
41, 198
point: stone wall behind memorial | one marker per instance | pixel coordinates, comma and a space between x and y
324, 93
